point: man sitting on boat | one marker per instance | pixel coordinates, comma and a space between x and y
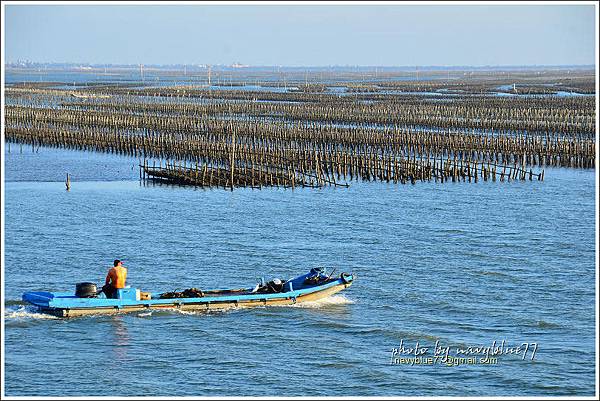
115, 279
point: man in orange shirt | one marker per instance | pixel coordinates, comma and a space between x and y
115, 279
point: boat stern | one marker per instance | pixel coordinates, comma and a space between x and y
41, 299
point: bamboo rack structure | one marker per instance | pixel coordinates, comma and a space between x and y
309, 138
399, 171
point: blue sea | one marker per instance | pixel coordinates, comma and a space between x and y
457, 264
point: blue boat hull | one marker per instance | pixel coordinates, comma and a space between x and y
64, 304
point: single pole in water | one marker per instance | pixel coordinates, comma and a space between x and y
68, 182
232, 162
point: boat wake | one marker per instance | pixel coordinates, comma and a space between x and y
322, 303
206, 312
325, 302
25, 312
144, 314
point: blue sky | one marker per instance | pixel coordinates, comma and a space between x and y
303, 35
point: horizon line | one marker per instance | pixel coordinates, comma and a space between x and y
241, 65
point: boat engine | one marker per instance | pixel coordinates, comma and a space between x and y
86, 290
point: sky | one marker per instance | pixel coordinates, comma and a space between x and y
302, 35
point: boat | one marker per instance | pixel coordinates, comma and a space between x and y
312, 286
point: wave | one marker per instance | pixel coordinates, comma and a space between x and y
202, 312
453, 231
546, 325
144, 314
492, 273
325, 302
25, 312
188, 312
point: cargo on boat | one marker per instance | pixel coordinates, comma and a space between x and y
85, 300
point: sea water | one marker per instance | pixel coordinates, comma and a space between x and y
453, 265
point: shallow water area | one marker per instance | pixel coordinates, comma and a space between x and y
463, 264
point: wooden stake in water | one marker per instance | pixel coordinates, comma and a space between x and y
232, 162
68, 182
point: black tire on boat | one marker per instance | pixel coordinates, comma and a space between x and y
346, 278
85, 290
